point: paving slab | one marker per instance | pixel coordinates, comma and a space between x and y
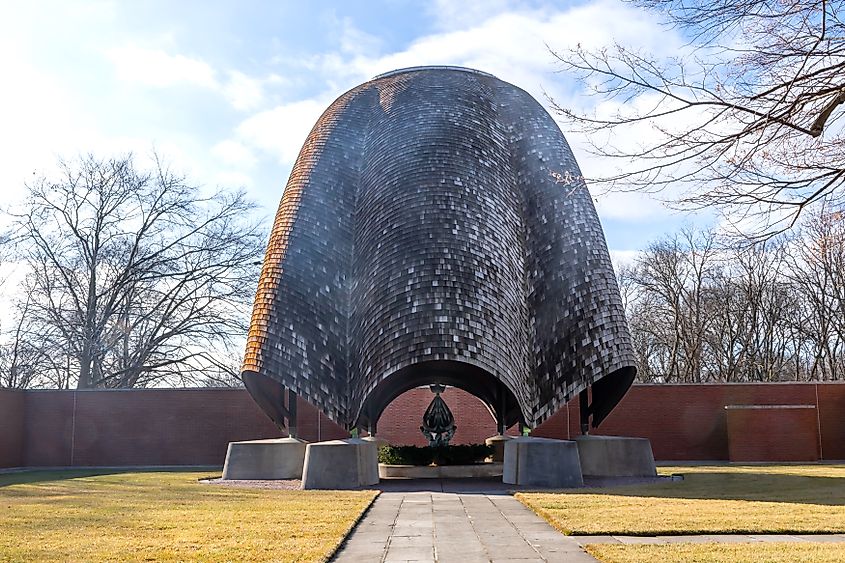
824, 538
776, 538
587, 540
697, 539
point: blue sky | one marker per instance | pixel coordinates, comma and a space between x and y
226, 92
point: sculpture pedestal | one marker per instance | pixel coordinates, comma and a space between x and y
280, 458
340, 464
498, 442
476, 470
615, 456
542, 462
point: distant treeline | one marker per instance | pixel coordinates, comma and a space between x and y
703, 311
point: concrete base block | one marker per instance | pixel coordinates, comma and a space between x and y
378, 441
340, 464
542, 462
280, 458
615, 456
498, 442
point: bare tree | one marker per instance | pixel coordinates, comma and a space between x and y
135, 274
752, 307
817, 271
668, 313
772, 311
747, 119
26, 353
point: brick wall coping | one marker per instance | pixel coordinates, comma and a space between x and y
129, 390
737, 383
752, 407
120, 468
732, 383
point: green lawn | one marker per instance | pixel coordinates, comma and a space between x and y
166, 516
712, 499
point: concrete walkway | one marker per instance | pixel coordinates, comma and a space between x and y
477, 520
472, 521
456, 527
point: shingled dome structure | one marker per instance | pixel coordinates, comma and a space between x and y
435, 229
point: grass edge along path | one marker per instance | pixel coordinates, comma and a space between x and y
169, 516
774, 552
716, 499
334, 551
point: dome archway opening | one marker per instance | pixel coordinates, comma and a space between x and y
500, 401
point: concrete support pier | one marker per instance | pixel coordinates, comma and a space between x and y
498, 443
615, 456
542, 462
340, 464
280, 458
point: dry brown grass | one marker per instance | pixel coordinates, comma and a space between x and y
167, 516
722, 553
753, 499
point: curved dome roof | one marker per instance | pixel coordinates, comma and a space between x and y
435, 228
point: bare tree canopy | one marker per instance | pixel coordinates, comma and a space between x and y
132, 276
748, 118
772, 311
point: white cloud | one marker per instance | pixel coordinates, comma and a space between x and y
473, 36
629, 206
234, 153
449, 14
357, 42
621, 258
282, 130
243, 92
522, 58
233, 180
156, 68
40, 121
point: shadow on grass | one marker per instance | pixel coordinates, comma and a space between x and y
45, 475
38, 476
748, 486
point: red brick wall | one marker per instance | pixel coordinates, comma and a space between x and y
773, 434
193, 426
149, 427
400, 423
683, 422
831, 412
11, 427
688, 422
48, 428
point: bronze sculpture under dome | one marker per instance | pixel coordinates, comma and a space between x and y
438, 422
435, 229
